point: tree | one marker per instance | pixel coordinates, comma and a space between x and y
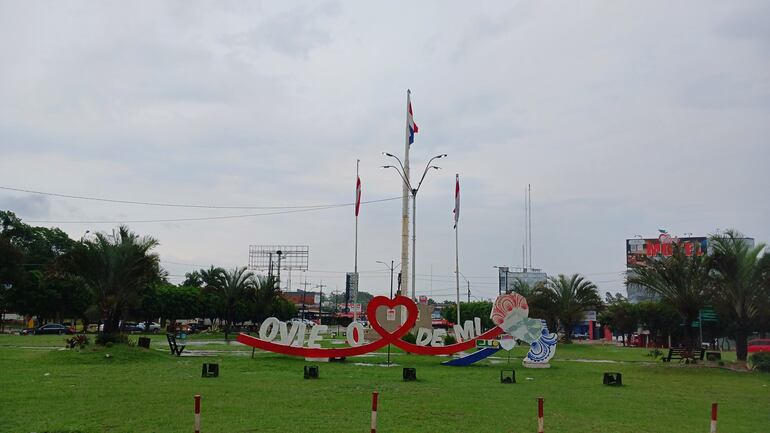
660, 318
193, 279
739, 273
567, 299
469, 311
679, 280
538, 305
28, 256
178, 302
116, 267
232, 286
266, 295
621, 316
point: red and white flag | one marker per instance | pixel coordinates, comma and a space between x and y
457, 199
358, 194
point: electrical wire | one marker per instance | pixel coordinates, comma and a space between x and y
224, 217
178, 205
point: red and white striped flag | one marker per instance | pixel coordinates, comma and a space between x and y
358, 194
457, 199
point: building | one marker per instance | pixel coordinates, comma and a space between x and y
508, 277
307, 302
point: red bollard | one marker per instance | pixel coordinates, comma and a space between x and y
374, 412
540, 415
197, 413
713, 418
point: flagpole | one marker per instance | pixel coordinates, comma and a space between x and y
355, 263
405, 208
457, 245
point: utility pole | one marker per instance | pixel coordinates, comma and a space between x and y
304, 291
469, 291
320, 302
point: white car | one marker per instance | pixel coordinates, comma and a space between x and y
301, 320
154, 326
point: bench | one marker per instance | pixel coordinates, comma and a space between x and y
684, 353
176, 349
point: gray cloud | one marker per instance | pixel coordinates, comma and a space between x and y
623, 117
29, 206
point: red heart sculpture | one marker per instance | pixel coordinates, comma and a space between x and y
382, 301
379, 301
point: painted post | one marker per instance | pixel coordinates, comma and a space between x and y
540, 415
197, 413
374, 412
713, 418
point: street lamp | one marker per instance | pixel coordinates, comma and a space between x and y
414, 191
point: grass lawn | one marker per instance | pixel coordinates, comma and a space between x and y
134, 390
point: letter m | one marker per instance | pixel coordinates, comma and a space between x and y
465, 332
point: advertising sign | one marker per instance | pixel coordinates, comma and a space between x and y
638, 250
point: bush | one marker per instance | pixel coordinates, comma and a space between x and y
449, 339
410, 338
104, 338
79, 341
761, 361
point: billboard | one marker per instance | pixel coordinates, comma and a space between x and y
637, 250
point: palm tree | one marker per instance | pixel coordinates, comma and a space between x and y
740, 275
115, 267
266, 295
538, 304
210, 277
567, 299
232, 286
193, 279
679, 280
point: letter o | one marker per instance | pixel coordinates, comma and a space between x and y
351, 331
269, 329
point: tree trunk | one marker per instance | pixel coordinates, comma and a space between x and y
741, 345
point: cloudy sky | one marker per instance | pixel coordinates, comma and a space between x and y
624, 116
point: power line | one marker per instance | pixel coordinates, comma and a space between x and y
332, 206
180, 205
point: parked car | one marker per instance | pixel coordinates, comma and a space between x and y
154, 327
301, 320
53, 328
194, 328
130, 327
759, 345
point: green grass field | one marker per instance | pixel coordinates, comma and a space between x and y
44, 389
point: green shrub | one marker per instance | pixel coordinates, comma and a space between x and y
79, 341
761, 361
410, 338
449, 339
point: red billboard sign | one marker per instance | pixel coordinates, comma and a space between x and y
638, 250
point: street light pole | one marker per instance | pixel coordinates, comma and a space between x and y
414, 190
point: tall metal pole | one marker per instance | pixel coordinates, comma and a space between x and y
414, 241
529, 219
355, 262
457, 271
405, 207
391, 297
